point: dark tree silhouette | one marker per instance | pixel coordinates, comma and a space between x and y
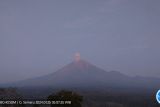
10, 94
76, 99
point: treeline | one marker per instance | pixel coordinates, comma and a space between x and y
87, 99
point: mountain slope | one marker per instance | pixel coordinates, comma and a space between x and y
80, 73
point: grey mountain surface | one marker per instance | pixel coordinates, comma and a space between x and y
81, 73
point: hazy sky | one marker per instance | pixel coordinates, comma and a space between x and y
38, 37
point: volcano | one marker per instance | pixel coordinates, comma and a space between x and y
81, 73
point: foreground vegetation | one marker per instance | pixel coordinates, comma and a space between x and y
81, 97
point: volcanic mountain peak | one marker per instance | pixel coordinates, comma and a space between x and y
79, 63
76, 66
81, 73
77, 57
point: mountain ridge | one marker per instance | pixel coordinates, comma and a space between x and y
81, 73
